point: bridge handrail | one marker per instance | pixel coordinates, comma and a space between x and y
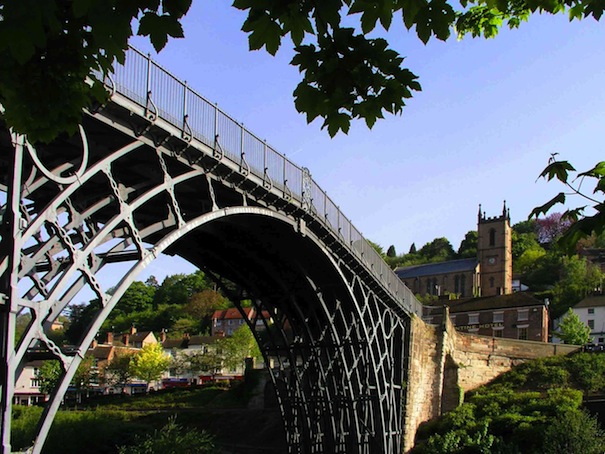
146, 83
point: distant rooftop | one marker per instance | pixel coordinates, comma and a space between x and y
591, 301
452, 266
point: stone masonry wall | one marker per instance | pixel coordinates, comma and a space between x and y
444, 364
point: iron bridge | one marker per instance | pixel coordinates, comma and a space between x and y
160, 170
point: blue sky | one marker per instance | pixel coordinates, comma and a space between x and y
490, 114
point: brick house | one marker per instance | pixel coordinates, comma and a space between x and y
226, 321
514, 316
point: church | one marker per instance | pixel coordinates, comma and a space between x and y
489, 274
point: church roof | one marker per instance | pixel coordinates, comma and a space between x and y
452, 266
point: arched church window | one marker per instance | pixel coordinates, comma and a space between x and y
492, 237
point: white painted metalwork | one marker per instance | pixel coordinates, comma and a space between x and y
160, 169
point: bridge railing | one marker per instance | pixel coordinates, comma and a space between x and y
144, 82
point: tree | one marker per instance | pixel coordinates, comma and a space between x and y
572, 330
149, 363
202, 305
48, 49
550, 228
86, 374
137, 297
207, 361
377, 247
238, 347
49, 374
179, 288
438, 250
583, 225
574, 432
524, 237
412, 249
578, 279
117, 371
391, 251
468, 246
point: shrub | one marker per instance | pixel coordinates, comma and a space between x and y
574, 432
171, 439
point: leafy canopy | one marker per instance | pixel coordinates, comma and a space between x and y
49, 48
583, 225
572, 330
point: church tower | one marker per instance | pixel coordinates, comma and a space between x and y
494, 253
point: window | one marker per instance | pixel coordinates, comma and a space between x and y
591, 324
522, 314
457, 284
473, 319
591, 310
492, 237
491, 282
497, 332
462, 284
522, 333
498, 317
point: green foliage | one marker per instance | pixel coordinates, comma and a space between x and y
49, 374
578, 279
572, 330
391, 251
583, 225
238, 347
588, 372
574, 432
149, 363
468, 246
138, 297
49, 48
377, 247
438, 250
521, 410
171, 439
179, 288
117, 371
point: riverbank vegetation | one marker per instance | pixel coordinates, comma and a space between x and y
537, 407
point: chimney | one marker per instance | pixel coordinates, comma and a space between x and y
110, 338
133, 330
94, 344
163, 335
125, 339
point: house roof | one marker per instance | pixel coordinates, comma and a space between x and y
139, 337
510, 301
452, 266
102, 351
231, 313
591, 301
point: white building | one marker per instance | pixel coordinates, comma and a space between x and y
591, 311
27, 387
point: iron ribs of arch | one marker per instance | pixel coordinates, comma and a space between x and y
341, 363
79, 206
